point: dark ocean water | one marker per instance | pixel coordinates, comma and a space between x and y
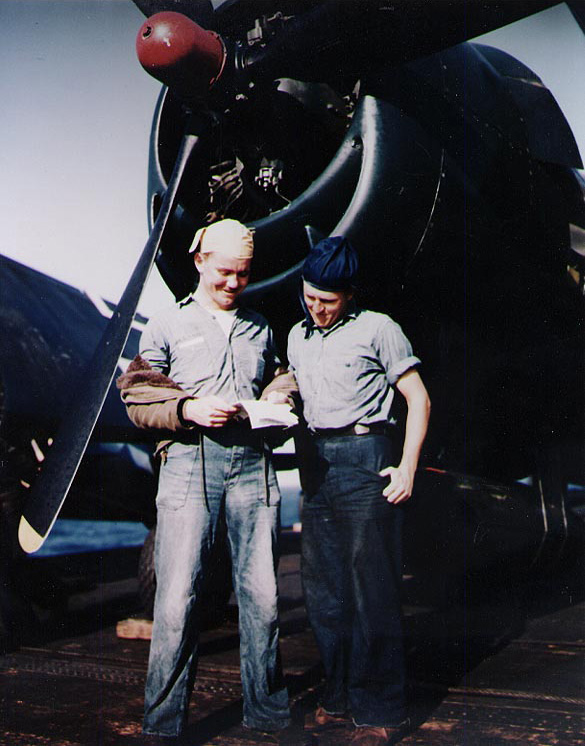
75, 536
70, 536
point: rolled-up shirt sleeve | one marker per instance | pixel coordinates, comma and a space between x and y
394, 350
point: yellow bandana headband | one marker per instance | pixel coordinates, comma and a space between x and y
227, 236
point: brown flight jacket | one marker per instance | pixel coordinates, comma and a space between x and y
155, 402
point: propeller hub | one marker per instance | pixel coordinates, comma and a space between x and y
181, 54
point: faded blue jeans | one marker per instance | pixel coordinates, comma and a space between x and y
227, 471
351, 573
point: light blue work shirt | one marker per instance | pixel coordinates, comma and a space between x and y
226, 469
346, 373
186, 343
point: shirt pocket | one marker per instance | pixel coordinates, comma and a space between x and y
178, 472
350, 374
193, 361
251, 362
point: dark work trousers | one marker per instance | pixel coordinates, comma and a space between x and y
351, 572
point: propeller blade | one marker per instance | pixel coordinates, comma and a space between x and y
577, 8
52, 485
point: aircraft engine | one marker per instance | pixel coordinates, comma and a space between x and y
455, 200
454, 173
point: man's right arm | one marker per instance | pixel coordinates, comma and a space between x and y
209, 411
153, 401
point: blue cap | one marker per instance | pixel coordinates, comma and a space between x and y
331, 265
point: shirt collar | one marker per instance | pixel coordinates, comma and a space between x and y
351, 313
195, 297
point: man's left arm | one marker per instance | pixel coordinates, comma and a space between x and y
283, 388
280, 386
401, 484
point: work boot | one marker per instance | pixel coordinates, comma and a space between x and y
369, 735
322, 720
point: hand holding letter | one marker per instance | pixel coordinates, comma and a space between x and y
210, 411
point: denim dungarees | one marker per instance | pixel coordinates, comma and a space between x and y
210, 471
351, 564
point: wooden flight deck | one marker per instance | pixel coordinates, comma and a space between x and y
509, 670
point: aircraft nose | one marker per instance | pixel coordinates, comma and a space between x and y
181, 54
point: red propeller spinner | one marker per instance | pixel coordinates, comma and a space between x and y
181, 54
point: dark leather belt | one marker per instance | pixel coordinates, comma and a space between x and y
376, 428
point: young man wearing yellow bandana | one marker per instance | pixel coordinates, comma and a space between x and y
198, 358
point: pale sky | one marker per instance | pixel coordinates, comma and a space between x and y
75, 124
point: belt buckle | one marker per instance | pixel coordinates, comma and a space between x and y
361, 429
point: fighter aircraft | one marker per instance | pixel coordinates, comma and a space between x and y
451, 168
48, 330
455, 174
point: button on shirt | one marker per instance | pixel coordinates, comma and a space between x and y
186, 343
346, 373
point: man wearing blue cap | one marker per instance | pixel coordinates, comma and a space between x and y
348, 363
